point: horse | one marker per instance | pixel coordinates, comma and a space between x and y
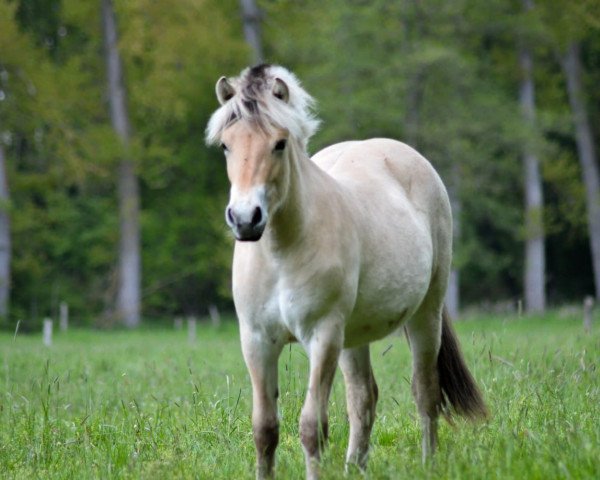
334, 252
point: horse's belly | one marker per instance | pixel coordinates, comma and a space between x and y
376, 319
394, 279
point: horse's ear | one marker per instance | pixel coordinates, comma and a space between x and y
225, 90
281, 90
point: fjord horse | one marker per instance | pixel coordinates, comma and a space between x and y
334, 252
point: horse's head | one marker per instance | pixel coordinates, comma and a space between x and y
256, 167
264, 117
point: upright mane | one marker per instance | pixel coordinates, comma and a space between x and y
253, 97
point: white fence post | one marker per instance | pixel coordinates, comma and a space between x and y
178, 323
215, 316
47, 332
191, 330
588, 308
64, 317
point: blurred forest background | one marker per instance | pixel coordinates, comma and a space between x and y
500, 95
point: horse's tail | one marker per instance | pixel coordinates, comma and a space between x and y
456, 382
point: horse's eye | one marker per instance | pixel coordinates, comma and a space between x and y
224, 147
280, 145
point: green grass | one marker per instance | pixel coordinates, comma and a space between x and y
148, 405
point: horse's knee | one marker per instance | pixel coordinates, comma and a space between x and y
313, 433
266, 438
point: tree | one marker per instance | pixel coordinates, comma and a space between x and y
453, 291
438, 75
535, 261
566, 31
587, 152
173, 56
129, 292
251, 18
5, 250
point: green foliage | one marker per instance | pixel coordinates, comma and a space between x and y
63, 154
442, 76
147, 404
173, 58
59, 151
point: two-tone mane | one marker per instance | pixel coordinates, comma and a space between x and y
256, 96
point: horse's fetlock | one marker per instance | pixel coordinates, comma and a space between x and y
266, 438
313, 435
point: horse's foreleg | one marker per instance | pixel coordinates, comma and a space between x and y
324, 350
261, 357
424, 334
361, 400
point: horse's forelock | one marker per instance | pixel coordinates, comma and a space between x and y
254, 102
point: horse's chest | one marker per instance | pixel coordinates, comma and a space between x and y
306, 299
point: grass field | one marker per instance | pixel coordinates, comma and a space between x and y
146, 404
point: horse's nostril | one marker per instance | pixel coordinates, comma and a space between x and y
230, 216
256, 217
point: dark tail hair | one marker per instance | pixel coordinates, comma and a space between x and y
459, 389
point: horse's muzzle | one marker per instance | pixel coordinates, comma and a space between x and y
246, 229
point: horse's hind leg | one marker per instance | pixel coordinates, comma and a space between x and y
361, 400
424, 335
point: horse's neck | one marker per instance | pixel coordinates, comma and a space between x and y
307, 183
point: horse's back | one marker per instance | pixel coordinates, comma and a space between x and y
382, 165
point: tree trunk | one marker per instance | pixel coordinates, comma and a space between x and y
535, 261
453, 292
128, 301
414, 99
587, 154
5, 249
251, 18
413, 23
